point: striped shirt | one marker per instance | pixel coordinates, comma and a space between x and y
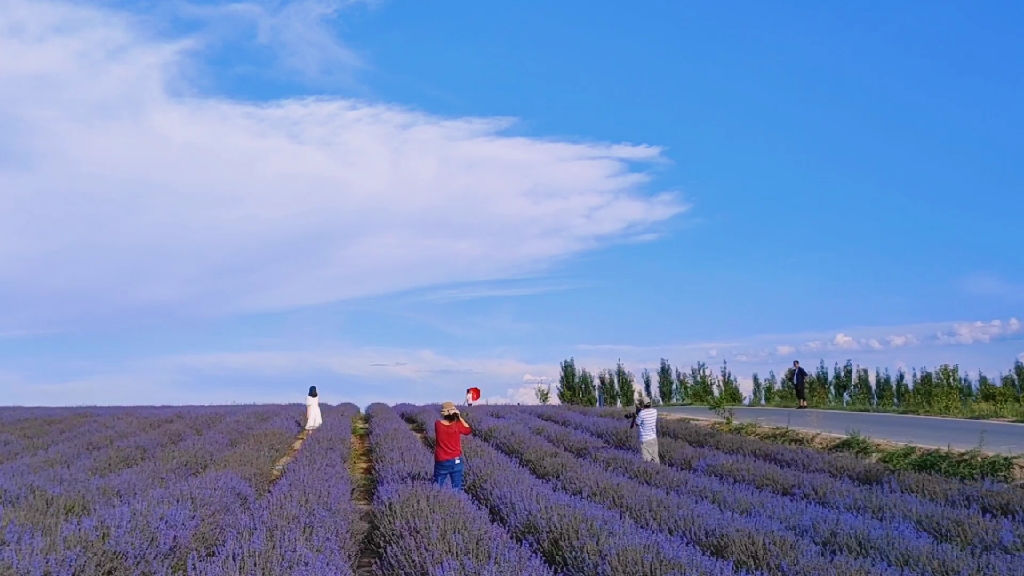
647, 421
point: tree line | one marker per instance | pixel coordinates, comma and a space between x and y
617, 387
945, 390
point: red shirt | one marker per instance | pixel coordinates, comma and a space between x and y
449, 440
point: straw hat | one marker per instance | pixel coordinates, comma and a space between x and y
448, 408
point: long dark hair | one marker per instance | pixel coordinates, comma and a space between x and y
312, 391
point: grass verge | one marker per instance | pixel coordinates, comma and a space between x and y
965, 465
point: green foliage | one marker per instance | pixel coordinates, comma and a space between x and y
818, 386
575, 387
702, 384
666, 383
723, 410
645, 377
885, 396
1008, 394
787, 388
543, 393
861, 393
901, 389
1018, 379
943, 392
757, 393
988, 391
771, 387
842, 383
609, 390
854, 443
568, 386
971, 465
626, 384
924, 389
946, 394
684, 387
588, 392
729, 387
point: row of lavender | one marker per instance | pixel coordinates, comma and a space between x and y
124, 491
755, 528
572, 534
957, 520
307, 524
421, 529
991, 497
162, 491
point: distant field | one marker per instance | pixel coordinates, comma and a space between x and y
549, 490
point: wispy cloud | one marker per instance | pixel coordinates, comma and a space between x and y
298, 39
992, 286
366, 374
491, 290
125, 198
862, 340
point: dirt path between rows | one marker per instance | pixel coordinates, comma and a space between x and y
277, 470
420, 432
361, 470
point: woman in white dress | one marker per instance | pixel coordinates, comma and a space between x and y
313, 418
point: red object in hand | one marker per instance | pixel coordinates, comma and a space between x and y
474, 394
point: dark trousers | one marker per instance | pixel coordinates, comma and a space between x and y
801, 392
449, 469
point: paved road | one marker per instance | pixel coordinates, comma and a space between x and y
999, 437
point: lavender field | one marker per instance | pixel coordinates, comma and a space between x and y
549, 490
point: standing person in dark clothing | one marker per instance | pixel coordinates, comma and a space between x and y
799, 380
448, 433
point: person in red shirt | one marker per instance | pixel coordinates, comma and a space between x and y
448, 431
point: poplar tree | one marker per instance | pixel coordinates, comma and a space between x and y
645, 376
884, 393
728, 387
771, 386
666, 383
626, 384
988, 391
609, 391
588, 392
901, 390
757, 393
819, 387
684, 387
702, 384
862, 393
568, 388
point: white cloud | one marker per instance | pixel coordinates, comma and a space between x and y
784, 350
521, 395
1020, 356
712, 353
898, 341
120, 196
814, 346
984, 332
875, 344
845, 342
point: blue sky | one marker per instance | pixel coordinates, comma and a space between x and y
393, 200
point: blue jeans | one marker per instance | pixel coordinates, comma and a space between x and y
446, 468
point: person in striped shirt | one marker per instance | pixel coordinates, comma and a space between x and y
646, 419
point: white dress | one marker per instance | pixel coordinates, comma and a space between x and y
313, 418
